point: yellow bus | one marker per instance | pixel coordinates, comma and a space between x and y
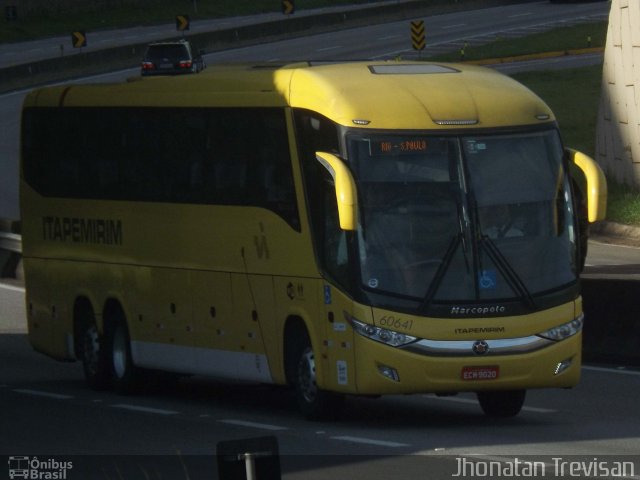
346, 229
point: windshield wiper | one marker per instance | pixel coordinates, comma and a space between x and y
513, 279
482, 242
442, 270
504, 267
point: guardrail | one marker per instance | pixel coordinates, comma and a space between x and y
11, 242
10, 249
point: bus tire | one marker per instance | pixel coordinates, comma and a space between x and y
126, 376
95, 360
501, 404
314, 403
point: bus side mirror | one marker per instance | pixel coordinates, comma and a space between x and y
595, 189
346, 193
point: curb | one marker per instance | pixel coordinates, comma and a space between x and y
534, 56
612, 232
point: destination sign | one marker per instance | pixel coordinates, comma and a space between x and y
399, 146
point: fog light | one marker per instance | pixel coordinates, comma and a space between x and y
562, 366
389, 372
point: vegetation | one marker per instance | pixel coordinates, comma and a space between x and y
556, 40
623, 205
576, 113
572, 94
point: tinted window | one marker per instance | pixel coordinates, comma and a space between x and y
158, 52
210, 156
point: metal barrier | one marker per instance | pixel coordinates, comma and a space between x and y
11, 242
10, 248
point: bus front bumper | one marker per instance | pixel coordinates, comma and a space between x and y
382, 369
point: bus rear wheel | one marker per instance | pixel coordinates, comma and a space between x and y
314, 403
501, 404
126, 376
95, 361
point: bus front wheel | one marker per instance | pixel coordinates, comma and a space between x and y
315, 403
501, 404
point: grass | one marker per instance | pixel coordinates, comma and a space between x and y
623, 204
572, 94
558, 39
576, 112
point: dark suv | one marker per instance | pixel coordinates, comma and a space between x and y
172, 58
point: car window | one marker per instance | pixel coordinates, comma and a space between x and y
156, 52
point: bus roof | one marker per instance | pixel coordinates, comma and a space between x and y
387, 95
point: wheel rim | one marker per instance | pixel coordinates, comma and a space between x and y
91, 352
119, 354
307, 376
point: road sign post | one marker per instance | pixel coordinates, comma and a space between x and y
183, 22
78, 39
288, 7
417, 35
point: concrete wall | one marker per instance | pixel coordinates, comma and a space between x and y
618, 130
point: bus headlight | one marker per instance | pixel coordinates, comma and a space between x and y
382, 335
565, 330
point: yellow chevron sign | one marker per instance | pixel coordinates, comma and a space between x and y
182, 22
78, 39
288, 7
417, 35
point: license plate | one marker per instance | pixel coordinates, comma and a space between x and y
491, 372
166, 65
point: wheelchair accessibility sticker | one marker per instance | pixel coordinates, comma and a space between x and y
487, 279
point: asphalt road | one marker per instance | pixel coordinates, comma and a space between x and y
173, 432
472, 26
48, 411
607, 261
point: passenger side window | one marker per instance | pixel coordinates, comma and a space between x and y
219, 156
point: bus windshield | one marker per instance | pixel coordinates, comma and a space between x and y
463, 218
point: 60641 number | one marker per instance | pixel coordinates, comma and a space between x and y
389, 321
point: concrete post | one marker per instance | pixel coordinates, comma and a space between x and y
618, 127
